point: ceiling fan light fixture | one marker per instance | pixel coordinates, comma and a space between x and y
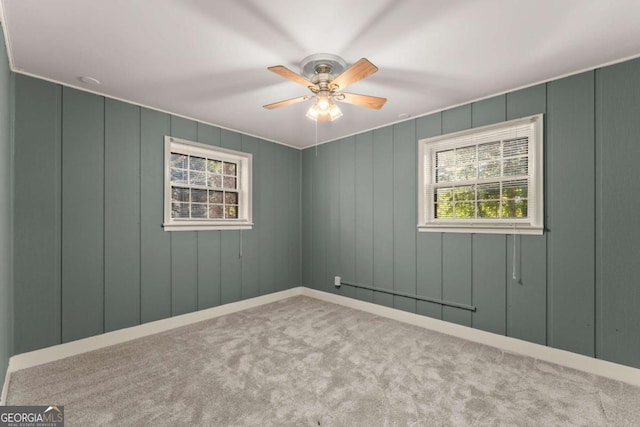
324, 109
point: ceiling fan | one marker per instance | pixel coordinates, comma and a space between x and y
326, 75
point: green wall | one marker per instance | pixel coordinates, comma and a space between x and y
90, 252
5, 212
576, 286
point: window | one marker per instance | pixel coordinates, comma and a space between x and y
206, 188
483, 180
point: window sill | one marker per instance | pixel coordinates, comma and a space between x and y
208, 227
480, 229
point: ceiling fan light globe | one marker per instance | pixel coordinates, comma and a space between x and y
312, 113
335, 112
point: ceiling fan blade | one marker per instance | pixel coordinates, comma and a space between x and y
362, 100
287, 102
283, 71
358, 71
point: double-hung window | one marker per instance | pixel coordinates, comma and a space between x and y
483, 180
206, 187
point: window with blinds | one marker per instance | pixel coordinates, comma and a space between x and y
483, 180
206, 188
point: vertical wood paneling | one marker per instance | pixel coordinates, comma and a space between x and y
321, 215
294, 220
266, 192
104, 260
429, 245
364, 214
456, 248
347, 194
36, 219
7, 206
231, 263
307, 217
489, 283
82, 215
184, 260
617, 231
332, 203
527, 295
489, 251
383, 213
121, 215
456, 276
282, 217
155, 243
571, 213
489, 111
404, 213
208, 242
251, 238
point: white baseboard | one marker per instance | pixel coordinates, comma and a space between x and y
568, 359
564, 358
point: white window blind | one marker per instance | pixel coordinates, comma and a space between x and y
483, 180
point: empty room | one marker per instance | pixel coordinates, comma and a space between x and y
339, 213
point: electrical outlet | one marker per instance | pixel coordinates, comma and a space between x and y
336, 281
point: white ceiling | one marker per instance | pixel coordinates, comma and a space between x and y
208, 60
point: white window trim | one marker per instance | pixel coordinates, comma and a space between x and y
245, 194
533, 225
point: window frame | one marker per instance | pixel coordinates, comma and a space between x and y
533, 224
244, 163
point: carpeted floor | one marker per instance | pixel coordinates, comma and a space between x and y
303, 362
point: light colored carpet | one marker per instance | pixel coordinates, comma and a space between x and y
304, 362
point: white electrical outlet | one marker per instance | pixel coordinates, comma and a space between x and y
336, 281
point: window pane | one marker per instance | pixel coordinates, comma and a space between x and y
467, 172
516, 208
464, 210
230, 198
199, 196
444, 210
216, 211
517, 166
445, 158
489, 151
466, 155
515, 189
229, 182
179, 194
489, 191
215, 196
198, 210
231, 212
197, 178
179, 176
230, 169
515, 147
489, 209
214, 181
178, 161
489, 169
446, 174
464, 193
197, 163
444, 195
179, 210
214, 166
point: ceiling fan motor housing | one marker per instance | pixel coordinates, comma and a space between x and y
322, 64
